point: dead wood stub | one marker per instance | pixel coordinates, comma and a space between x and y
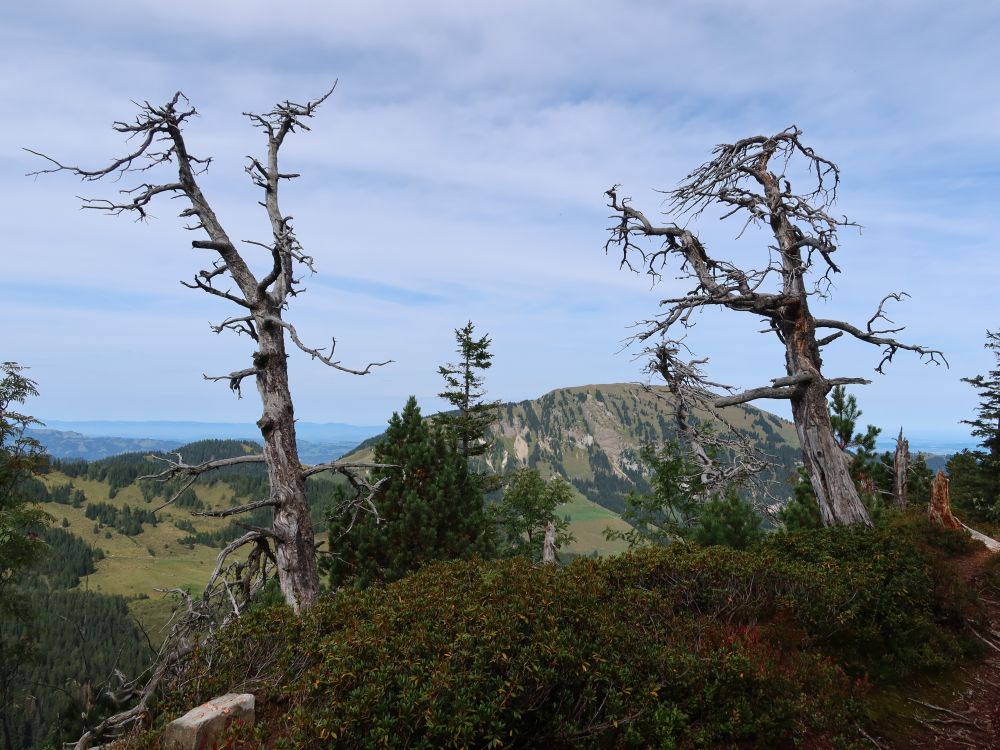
939, 509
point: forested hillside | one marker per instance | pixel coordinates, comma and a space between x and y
92, 604
60, 658
592, 435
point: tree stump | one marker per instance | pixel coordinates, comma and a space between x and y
940, 513
549, 546
939, 510
901, 471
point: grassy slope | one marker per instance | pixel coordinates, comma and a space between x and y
128, 567
131, 570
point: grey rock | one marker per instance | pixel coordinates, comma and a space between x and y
200, 728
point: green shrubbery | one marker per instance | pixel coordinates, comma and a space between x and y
675, 647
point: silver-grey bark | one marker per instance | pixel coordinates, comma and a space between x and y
750, 179
287, 549
161, 146
901, 471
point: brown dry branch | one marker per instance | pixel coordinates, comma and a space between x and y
750, 179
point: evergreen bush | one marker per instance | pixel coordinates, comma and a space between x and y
677, 647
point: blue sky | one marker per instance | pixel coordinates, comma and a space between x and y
458, 173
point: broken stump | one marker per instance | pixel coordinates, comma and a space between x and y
940, 507
200, 728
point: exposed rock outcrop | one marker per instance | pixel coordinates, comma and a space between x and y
201, 727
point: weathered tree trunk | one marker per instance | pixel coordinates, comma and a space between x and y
939, 510
901, 471
836, 495
549, 545
295, 553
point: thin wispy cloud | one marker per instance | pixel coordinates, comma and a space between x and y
458, 173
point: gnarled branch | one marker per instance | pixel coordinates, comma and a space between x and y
235, 379
891, 345
326, 359
179, 468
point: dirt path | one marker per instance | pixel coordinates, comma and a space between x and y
971, 719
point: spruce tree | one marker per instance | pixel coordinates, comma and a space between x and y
472, 417
977, 473
429, 508
22, 523
21, 458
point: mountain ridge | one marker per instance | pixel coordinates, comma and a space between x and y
592, 435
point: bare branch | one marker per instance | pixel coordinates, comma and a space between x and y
690, 391
207, 287
164, 664
235, 379
240, 325
891, 346
880, 313
284, 118
829, 339
342, 467
326, 359
177, 494
179, 468
237, 510
830, 382
753, 394
250, 536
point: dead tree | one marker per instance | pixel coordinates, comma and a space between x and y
260, 297
549, 544
901, 471
750, 179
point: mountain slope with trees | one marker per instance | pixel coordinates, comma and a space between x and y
593, 437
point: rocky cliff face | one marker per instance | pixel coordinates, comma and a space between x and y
592, 435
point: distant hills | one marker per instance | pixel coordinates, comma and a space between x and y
188, 432
94, 440
68, 444
589, 434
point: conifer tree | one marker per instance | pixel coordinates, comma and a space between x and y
429, 508
470, 422
21, 457
679, 508
21, 524
975, 475
844, 414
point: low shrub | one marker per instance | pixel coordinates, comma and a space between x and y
678, 647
